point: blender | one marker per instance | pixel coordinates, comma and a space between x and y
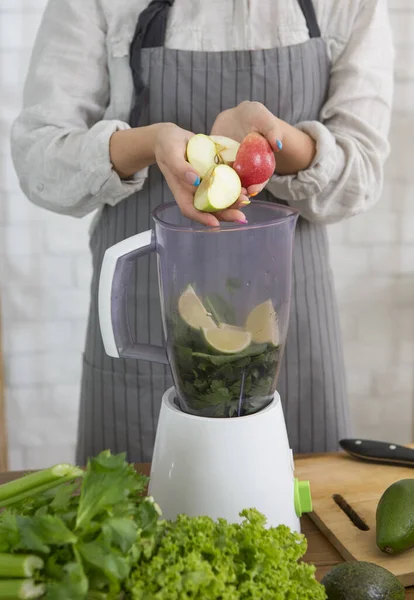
221, 443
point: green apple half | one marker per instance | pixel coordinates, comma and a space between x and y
219, 189
203, 152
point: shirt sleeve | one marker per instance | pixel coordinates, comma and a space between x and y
346, 175
60, 144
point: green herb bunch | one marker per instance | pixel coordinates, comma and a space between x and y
225, 385
81, 533
66, 534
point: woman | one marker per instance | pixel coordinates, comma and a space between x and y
315, 79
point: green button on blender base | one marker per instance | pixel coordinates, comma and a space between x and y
303, 498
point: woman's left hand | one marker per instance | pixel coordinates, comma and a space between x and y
296, 149
249, 117
246, 118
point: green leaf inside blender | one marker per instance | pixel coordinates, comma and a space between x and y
220, 309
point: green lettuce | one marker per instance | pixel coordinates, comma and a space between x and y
203, 559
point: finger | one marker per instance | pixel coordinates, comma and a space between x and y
269, 126
244, 200
192, 178
273, 136
190, 211
231, 215
185, 201
182, 170
253, 190
241, 202
207, 219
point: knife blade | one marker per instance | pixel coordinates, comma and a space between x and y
379, 452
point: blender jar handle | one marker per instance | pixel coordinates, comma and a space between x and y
112, 299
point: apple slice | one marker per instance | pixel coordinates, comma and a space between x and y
201, 153
226, 148
219, 189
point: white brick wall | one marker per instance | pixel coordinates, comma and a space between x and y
44, 277
45, 273
376, 295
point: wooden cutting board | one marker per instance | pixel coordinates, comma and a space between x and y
360, 485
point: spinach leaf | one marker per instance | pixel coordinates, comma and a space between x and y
221, 310
212, 386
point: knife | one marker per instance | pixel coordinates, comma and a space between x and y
379, 452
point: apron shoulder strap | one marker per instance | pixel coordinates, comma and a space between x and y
311, 21
149, 33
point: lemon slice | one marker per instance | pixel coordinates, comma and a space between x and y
262, 322
193, 311
231, 327
227, 339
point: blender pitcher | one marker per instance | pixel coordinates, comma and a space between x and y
225, 298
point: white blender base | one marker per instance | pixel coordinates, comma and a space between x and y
218, 467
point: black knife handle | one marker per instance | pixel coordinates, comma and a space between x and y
380, 452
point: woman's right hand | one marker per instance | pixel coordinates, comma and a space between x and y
182, 179
131, 150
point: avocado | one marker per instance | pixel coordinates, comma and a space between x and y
395, 517
362, 581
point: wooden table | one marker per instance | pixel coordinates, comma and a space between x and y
320, 552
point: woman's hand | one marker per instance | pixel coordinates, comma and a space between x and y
165, 144
182, 179
295, 149
249, 117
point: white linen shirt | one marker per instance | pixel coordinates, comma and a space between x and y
79, 91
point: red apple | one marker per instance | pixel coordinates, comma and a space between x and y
255, 160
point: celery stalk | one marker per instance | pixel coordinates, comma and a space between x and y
34, 491
33, 483
19, 565
20, 589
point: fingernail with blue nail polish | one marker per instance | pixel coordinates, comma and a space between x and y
192, 178
279, 144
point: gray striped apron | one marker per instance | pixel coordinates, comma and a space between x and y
120, 398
